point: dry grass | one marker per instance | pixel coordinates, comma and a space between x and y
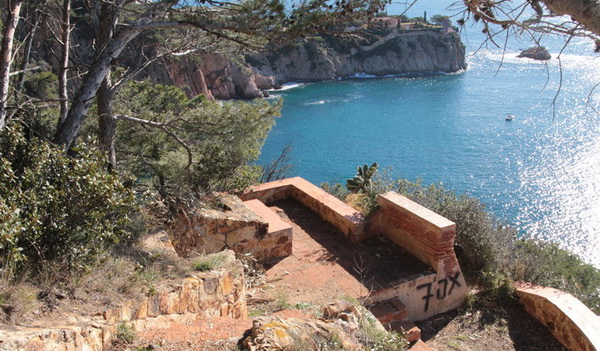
17, 301
125, 274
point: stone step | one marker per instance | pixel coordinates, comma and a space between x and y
411, 331
275, 222
388, 311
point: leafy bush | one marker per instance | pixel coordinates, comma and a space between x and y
54, 209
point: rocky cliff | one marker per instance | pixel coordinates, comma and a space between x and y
316, 59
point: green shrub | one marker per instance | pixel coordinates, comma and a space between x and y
546, 264
220, 139
492, 252
373, 338
56, 210
482, 242
125, 333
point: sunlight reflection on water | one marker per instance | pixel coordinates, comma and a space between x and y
540, 172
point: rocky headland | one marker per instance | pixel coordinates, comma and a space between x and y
382, 53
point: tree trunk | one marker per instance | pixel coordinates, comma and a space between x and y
107, 124
100, 68
204, 88
63, 92
35, 21
586, 12
14, 8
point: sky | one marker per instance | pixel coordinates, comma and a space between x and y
433, 7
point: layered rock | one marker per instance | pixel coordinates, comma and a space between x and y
213, 75
390, 52
236, 226
396, 53
204, 294
344, 326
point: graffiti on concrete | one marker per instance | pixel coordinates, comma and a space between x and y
443, 288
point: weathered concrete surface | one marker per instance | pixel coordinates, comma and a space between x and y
429, 237
217, 293
421, 232
570, 321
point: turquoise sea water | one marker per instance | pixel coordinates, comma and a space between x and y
540, 172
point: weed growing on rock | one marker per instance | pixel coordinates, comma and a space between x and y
209, 263
303, 306
376, 338
282, 302
125, 333
334, 343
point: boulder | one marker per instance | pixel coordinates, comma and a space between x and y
344, 326
536, 53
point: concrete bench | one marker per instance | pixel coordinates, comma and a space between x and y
278, 240
571, 322
276, 224
339, 214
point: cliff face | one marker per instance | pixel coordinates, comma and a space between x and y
213, 75
392, 54
317, 59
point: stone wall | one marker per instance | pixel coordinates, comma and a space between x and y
216, 293
237, 227
570, 321
339, 214
423, 233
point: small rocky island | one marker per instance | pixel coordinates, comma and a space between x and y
536, 53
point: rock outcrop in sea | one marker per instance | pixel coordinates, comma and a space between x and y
382, 53
536, 53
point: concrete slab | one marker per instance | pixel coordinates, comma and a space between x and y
325, 265
275, 222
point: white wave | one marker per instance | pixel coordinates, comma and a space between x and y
291, 85
318, 102
273, 97
363, 75
288, 86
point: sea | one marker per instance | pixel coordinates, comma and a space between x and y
539, 172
